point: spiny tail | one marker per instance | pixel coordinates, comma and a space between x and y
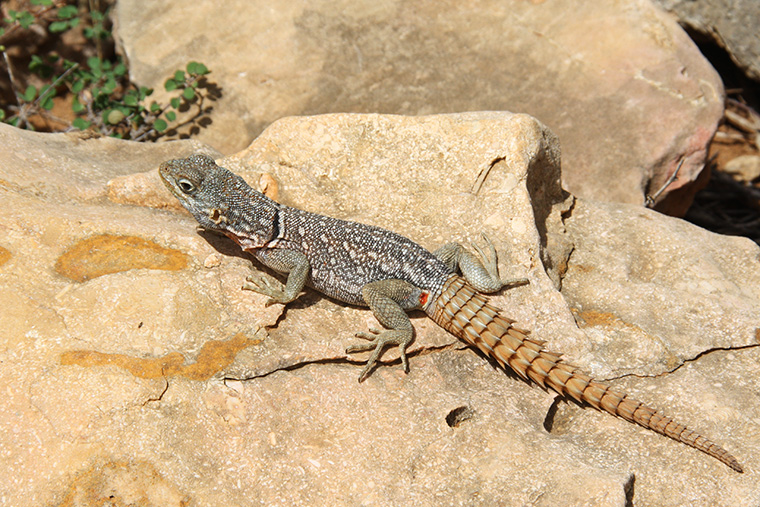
466, 314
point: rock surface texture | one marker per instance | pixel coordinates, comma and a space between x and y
731, 24
620, 83
135, 369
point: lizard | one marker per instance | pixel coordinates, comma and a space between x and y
373, 267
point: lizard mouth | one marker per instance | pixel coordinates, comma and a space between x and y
170, 182
162, 174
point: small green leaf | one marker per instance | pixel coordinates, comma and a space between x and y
197, 69
81, 123
25, 20
188, 93
175, 102
38, 66
171, 115
154, 107
77, 86
85, 76
58, 26
29, 94
46, 96
96, 65
77, 106
67, 12
120, 69
130, 99
2, 114
47, 104
160, 125
43, 3
109, 86
170, 85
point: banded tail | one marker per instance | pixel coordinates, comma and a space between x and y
465, 313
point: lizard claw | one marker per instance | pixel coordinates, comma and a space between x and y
372, 335
378, 340
490, 262
267, 286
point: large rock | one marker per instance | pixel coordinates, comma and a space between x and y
731, 24
621, 84
138, 372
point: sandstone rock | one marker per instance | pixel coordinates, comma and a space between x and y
731, 24
621, 84
157, 384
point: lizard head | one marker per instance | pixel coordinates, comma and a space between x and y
206, 190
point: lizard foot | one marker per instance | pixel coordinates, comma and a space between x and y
490, 262
267, 286
378, 340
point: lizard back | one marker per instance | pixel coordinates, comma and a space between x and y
345, 256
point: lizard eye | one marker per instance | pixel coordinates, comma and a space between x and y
186, 185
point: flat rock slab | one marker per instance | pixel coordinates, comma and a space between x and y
137, 370
620, 83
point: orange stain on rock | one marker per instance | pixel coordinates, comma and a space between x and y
106, 254
214, 356
122, 482
5, 255
594, 318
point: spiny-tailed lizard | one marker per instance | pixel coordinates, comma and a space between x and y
370, 266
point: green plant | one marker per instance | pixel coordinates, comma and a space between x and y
98, 88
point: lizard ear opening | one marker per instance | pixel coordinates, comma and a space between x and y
187, 186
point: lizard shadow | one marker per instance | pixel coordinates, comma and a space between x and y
227, 247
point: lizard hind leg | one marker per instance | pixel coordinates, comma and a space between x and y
481, 270
389, 301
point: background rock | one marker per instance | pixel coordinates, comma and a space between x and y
115, 386
731, 24
621, 84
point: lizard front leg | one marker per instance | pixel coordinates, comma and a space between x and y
389, 301
481, 271
291, 262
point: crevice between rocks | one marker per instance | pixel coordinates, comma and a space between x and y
483, 175
160, 396
346, 360
551, 413
685, 361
